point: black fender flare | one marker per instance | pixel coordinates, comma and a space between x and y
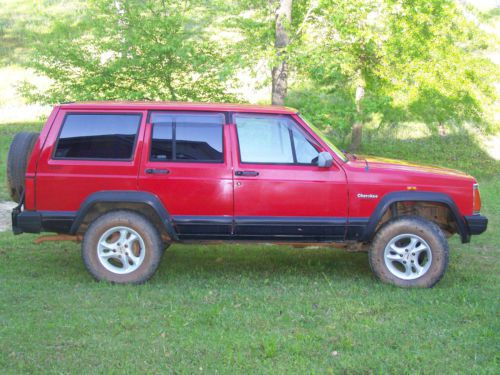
111, 196
415, 196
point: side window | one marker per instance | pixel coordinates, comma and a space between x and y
273, 140
304, 150
98, 136
188, 137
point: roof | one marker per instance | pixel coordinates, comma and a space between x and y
181, 106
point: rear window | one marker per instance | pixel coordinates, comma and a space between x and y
98, 136
187, 137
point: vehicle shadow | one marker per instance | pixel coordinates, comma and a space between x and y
261, 261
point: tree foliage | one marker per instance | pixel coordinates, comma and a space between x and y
130, 49
416, 60
349, 61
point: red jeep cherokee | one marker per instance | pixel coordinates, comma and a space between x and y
131, 178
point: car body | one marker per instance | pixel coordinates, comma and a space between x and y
211, 172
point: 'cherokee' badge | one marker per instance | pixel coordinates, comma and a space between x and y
367, 196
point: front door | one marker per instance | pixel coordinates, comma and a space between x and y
279, 191
186, 163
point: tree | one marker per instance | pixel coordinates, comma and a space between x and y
282, 39
130, 49
399, 59
268, 32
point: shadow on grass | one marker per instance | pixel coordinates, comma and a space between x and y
261, 262
459, 150
62, 262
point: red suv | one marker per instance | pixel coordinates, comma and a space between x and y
132, 178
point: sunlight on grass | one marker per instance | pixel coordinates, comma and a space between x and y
12, 106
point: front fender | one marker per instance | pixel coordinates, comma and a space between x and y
415, 196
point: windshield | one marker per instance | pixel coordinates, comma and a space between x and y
325, 139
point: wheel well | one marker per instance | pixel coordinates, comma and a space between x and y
437, 212
146, 210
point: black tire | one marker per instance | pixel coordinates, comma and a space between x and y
407, 228
17, 160
153, 248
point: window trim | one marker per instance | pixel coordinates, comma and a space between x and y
299, 126
134, 146
174, 138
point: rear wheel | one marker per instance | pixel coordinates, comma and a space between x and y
17, 159
122, 247
409, 251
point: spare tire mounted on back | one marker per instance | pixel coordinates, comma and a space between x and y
17, 161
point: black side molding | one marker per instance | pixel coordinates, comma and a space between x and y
415, 196
140, 197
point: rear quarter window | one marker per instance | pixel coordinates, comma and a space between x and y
98, 136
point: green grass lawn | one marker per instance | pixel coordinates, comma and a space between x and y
256, 309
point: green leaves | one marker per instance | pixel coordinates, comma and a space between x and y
130, 49
418, 61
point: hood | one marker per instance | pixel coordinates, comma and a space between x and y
378, 163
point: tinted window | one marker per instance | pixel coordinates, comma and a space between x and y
187, 137
273, 139
98, 136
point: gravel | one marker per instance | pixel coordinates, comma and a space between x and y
5, 210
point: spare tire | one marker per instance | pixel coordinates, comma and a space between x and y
17, 160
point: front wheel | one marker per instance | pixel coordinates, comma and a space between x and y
122, 247
409, 251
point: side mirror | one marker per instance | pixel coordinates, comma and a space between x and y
325, 160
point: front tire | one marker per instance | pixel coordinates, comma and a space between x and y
409, 251
122, 247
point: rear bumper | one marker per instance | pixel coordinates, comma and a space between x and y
36, 222
476, 224
26, 221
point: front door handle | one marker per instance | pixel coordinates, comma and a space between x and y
246, 173
157, 171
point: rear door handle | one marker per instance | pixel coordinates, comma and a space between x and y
246, 173
157, 171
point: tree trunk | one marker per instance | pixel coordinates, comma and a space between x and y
357, 128
282, 39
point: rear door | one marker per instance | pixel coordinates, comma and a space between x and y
186, 162
279, 191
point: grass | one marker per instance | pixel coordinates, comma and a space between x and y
256, 309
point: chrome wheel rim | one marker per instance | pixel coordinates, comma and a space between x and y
408, 256
121, 250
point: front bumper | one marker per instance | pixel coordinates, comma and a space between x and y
476, 224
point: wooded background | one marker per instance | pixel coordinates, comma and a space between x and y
342, 63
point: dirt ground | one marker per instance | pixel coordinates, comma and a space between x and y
5, 210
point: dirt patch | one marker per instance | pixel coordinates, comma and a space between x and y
5, 219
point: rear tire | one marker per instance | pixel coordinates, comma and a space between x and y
122, 247
19, 153
409, 251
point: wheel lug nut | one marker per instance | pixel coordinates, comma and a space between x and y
404, 261
406, 250
413, 261
401, 255
413, 254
